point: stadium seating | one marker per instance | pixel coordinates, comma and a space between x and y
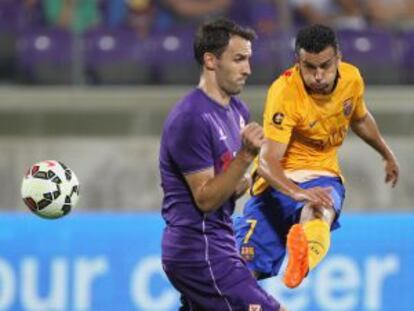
113, 54
7, 37
174, 58
240, 12
45, 56
374, 52
7, 52
407, 40
118, 56
272, 54
9, 15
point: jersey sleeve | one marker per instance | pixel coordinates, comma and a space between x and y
360, 107
279, 116
189, 144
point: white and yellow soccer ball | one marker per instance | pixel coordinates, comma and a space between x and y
50, 189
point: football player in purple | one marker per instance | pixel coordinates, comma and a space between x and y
206, 147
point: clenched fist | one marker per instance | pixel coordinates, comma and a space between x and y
252, 138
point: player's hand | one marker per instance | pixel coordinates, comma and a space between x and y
392, 171
252, 138
317, 196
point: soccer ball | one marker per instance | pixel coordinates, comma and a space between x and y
50, 189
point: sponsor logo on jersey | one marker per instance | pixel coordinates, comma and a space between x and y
278, 118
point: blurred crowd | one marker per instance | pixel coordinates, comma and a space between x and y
146, 16
44, 22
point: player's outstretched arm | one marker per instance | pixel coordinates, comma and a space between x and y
366, 128
271, 169
210, 191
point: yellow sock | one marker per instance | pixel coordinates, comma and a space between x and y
318, 234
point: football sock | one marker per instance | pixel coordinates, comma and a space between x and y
318, 234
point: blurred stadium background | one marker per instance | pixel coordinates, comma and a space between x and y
89, 82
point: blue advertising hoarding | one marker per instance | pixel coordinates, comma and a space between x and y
111, 262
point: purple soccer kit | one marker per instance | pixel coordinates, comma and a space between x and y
199, 253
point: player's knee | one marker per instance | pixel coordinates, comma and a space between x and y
326, 213
310, 212
319, 212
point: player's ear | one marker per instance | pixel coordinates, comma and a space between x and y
209, 61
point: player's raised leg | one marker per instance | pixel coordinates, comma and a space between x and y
308, 242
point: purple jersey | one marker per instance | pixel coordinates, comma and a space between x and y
198, 134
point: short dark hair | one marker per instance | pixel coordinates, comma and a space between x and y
214, 37
315, 39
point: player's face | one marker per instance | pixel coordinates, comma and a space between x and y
233, 66
319, 70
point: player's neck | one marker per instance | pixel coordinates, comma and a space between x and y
210, 87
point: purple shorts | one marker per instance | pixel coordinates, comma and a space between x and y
225, 285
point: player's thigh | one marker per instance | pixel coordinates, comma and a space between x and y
329, 214
188, 305
196, 285
310, 212
260, 239
226, 284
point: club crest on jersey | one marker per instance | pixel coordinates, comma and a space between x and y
347, 107
255, 307
278, 118
247, 252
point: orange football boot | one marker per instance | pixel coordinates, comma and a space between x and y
298, 261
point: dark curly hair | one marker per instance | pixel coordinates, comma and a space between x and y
315, 39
